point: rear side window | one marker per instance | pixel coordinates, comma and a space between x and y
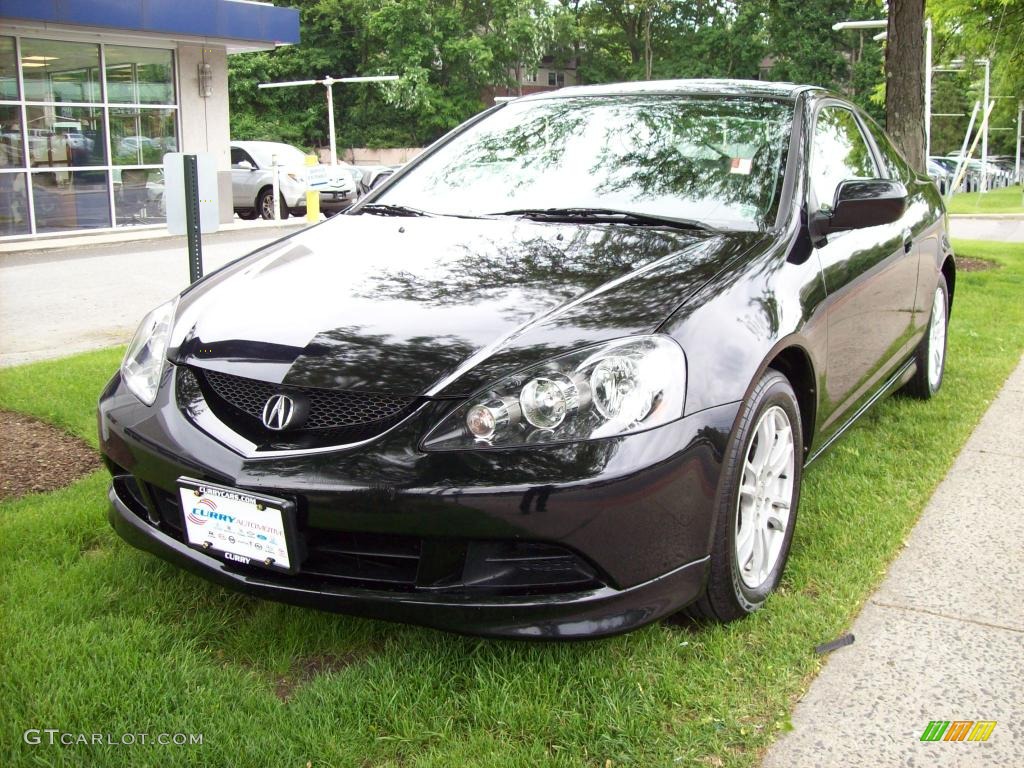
896, 166
838, 152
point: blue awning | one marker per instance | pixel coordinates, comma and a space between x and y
225, 19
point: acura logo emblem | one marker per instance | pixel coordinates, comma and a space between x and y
279, 412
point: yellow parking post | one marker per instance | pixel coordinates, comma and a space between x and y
312, 196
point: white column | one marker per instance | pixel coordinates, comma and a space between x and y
1016, 165
329, 85
984, 132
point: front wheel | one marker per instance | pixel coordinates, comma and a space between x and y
930, 356
756, 507
265, 205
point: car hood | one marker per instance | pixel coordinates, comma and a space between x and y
437, 306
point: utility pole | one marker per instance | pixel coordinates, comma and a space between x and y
1016, 165
328, 83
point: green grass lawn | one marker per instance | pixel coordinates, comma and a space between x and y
1005, 200
98, 637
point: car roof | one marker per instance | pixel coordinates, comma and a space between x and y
697, 87
260, 144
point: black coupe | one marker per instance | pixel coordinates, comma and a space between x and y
557, 377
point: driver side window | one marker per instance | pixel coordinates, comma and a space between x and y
838, 152
239, 155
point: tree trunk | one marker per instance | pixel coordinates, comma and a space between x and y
904, 79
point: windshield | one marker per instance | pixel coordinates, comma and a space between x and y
719, 162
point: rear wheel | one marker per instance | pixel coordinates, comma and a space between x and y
757, 503
930, 357
248, 214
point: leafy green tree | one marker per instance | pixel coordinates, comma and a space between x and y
993, 29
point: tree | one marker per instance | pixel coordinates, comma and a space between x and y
904, 79
971, 29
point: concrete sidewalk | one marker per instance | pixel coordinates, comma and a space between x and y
943, 638
1006, 228
56, 302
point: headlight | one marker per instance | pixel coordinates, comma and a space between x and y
624, 386
144, 361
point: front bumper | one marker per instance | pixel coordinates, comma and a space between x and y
635, 513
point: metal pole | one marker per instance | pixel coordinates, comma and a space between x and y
276, 188
1017, 160
329, 85
984, 134
962, 160
927, 90
974, 145
192, 224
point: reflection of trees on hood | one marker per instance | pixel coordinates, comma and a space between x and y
585, 259
351, 358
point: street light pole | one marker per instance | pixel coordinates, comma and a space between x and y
328, 82
329, 85
984, 128
1016, 164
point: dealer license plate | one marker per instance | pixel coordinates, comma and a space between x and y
240, 526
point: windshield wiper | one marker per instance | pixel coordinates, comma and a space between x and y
605, 215
386, 209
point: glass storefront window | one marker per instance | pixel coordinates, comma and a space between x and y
66, 200
8, 69
84, 134
57, 71
12, 154
142, 136
13, 205
139, 196
63, 136
139, 75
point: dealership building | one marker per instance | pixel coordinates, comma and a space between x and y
93, 93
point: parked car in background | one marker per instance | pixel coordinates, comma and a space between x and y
372, 176
252, 181
943, 178
558, 378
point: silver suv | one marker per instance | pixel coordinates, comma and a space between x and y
252, 181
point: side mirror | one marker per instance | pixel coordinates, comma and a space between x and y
860, 203
244, 165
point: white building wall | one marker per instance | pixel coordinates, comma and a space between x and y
205, 123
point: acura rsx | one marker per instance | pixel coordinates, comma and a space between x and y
557, 377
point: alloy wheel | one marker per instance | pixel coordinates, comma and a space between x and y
765, 496
937, 339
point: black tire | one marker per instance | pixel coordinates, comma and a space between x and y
265, 207
726, 597
922, 385
247, 214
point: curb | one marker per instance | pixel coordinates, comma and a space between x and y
158, 232
990, 216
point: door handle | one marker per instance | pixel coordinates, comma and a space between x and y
908, 240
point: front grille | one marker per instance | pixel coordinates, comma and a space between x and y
333, 417
328, 409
